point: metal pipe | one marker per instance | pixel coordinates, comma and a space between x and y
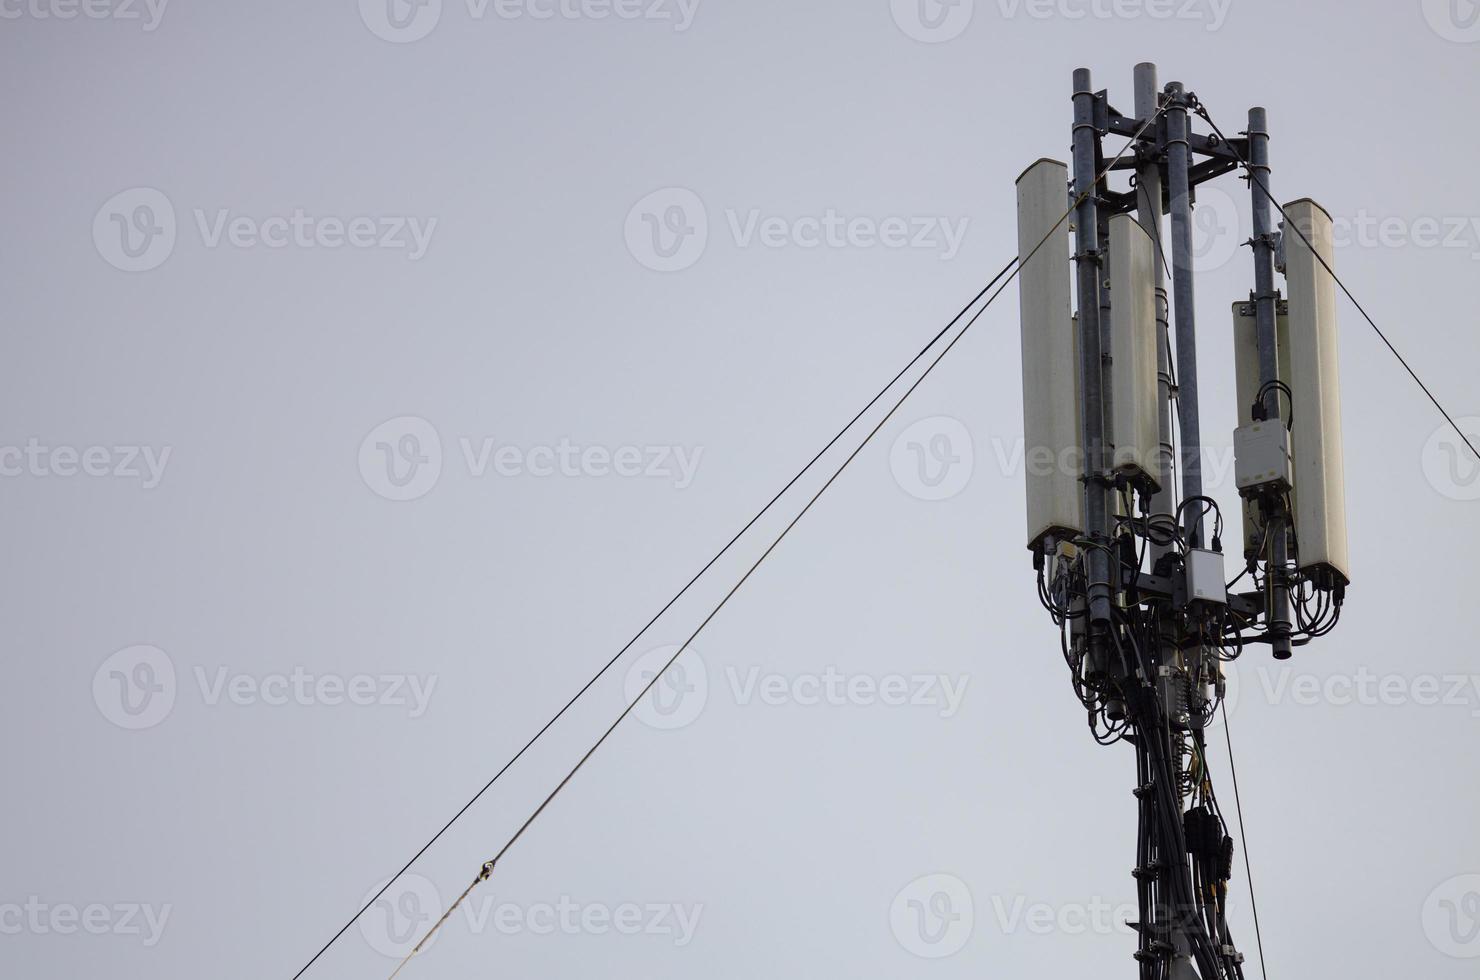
1264, 292
1107, 355
1267, 319
1087, 264
1179, 162
1149, 214
1179, 159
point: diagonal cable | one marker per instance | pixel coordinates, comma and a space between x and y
1238, 805
1202, 111
658, 615
487, 869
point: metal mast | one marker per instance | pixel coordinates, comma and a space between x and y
1129, 548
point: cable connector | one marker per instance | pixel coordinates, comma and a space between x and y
1160, 950
1225, 860
486, 871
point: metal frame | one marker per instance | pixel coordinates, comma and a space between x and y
1169, 163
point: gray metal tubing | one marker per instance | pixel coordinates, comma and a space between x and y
1091, 366
1148, 213
1266, 320
1179, 156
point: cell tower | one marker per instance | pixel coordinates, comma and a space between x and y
1128, 548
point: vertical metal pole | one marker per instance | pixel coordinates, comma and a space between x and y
1153, 933
1264, 294
1179, 185
1266, 320
1087, 263
1107, 346
1148, 212
1179, 162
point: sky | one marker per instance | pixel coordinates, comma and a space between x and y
372, 372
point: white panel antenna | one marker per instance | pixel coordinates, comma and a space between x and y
1320, 503
1134, 431
1247, 384
1052, 457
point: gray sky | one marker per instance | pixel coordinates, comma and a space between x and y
608, 281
